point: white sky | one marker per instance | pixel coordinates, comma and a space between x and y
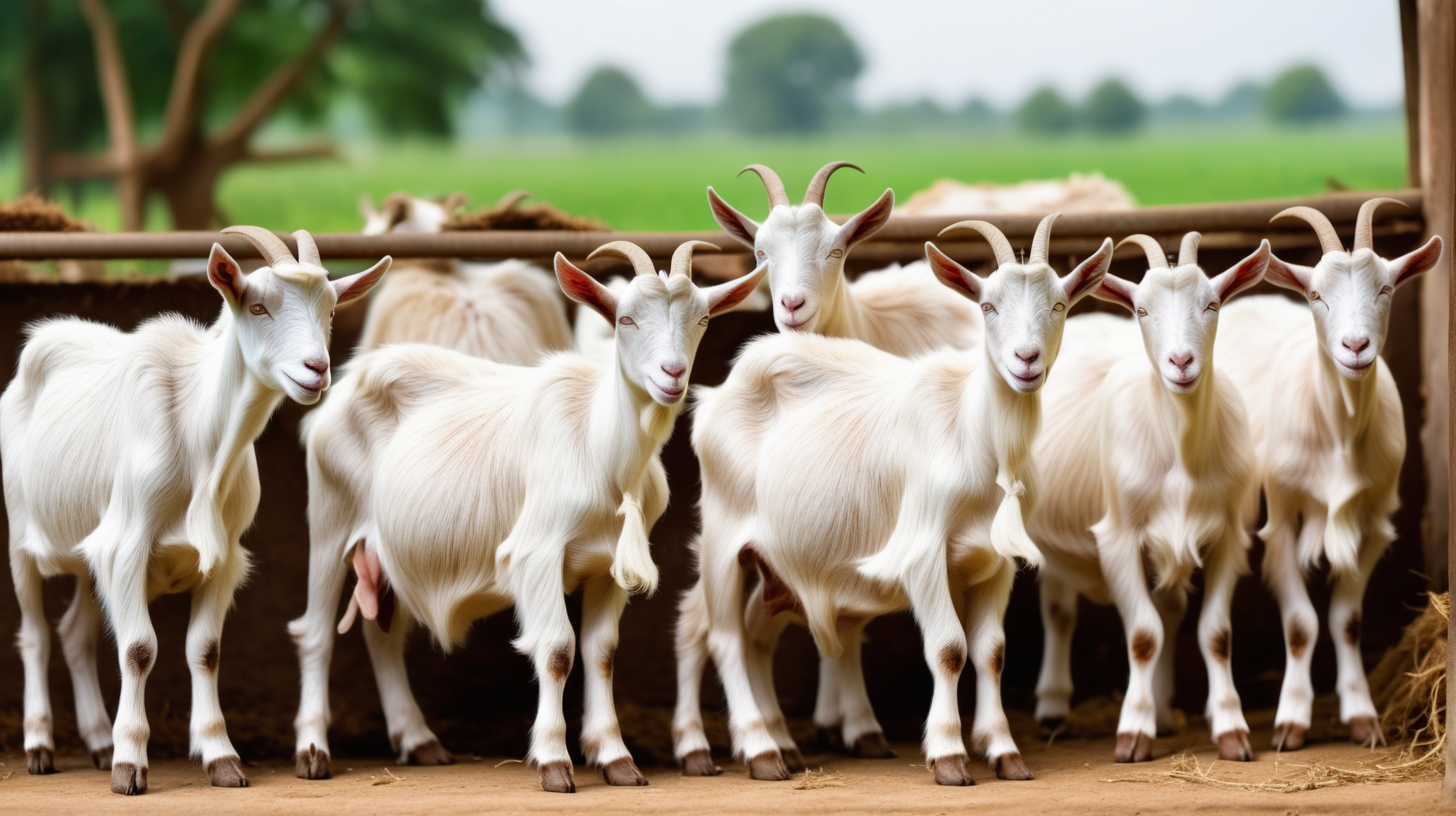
999, 49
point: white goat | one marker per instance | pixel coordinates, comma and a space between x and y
897, 310
467, 486
128, 459
1329, 438
1145, 471
859, 483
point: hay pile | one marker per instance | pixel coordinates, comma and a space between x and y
1186, 769
31, 213
1409, 683
509, 214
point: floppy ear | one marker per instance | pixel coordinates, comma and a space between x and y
1089, 274
584, 289
354, 287
1415, 262
739, 226
1288, 275
869, 221
725, 296
1243, 274
1116, 290
225, 275
953, 274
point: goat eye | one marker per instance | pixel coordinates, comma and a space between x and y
704, 321
1059, 307
988, 308
1141, 312
760, 253
258, 309
1212, 307
1313, 295
836, 253
626, 321
1385, 290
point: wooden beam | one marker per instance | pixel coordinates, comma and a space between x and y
1410, 43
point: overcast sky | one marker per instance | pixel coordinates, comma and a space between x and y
998, 49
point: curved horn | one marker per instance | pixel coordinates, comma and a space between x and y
771, 183
270, 246
307, 250
1042, 239
1328, 238
1154, 250
817, 185
1364, 236
1188, 250
638, 257
999, 245
682, 257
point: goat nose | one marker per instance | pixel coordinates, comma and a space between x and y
1182, 359
1028, 355
674, 369
1356, 344
316, 366
792, 302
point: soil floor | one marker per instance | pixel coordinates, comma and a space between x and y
1072, 776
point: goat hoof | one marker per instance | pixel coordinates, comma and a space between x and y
873, 746
623, 772
1366, 731
431, 753
700, 763
40, 760
1050, 727
101, 757
1288, 737
832, 738
127, 779
793, 760
768, 767
1134, 747
556, 778
312, 764
1233, 746
952, 770
227, 772
1011, 766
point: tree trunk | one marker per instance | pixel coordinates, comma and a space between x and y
34, 156
190, 190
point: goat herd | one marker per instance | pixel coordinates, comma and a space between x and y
898, 445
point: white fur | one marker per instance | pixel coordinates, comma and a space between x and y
128, 460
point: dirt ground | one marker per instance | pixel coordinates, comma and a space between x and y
1072, 777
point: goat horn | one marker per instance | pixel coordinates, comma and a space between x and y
270, 246
771, 183
307, 250
817, 185
638, 257
1188, 251
682, 257
1328, 238
1042, 240
1154, 250
999, 245
1364, 235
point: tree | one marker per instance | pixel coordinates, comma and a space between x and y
205, 75
1302, 95
789, 74
1243, 101
609, 103
1046, 112
1113, 108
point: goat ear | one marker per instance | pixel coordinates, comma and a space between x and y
357, 286
584, 289
952, 274
1288, 275
725, 296
1116, 290
1089, 274
869, 221
225, 275
739, 226
1415, 262
1243, 274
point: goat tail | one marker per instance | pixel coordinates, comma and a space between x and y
1008, 529
632, 566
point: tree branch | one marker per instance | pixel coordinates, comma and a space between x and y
311, 150
268, 95
76, 167
116, 94
180, 120
177, 16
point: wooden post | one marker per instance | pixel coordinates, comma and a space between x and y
1410, 42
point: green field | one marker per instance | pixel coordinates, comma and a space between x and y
658, 185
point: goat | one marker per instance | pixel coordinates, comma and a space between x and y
128, 459
859, 483
1147, 468
1329, 440
462, 486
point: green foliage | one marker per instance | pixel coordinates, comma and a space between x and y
1301, 95
790, 74
1243, 101
1045, 112
1113, 108
609, 103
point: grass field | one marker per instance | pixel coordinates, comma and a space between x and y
658, 185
